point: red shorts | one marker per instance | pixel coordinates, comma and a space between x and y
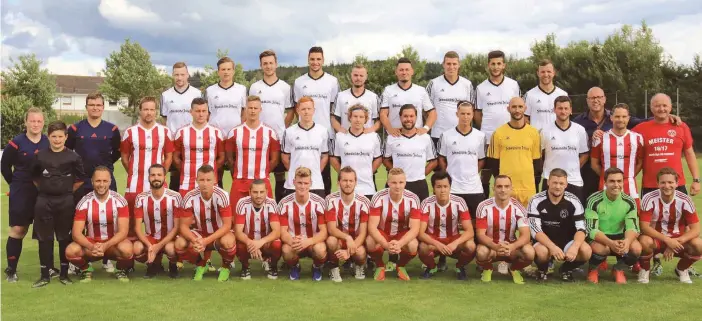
396, 237
446, 240
343, 245
152, 240
240, 189
660, 247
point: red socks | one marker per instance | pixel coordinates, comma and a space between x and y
428, 259
405, 257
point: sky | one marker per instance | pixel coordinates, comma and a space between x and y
75, 36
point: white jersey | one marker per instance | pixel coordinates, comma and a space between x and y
493, 99
175, 106
539, 106
562, 149
305, 147
226, 105
359, 152
462, 153
411, 154
275, 99
445, 97
323, 91
346, 99
394, 97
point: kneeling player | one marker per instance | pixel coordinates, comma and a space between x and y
347, 221
497, 222
613, 227
157, 209
669, 225
557, 222
257, 229
105, 216
441, 215
207, 206
302, 226
393, 225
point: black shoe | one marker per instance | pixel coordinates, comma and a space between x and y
151, 271
11, 275
245, 273
567, 276
54, 273
129, 270
541, 276
442, 263
273, 273
173, 270
41, 283
65, 280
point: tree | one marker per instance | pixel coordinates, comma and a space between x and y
25, 84
130, 74
209, 77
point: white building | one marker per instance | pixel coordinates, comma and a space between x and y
72, 90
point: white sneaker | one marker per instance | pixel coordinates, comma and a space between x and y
644, 276
266, 265
684, 276
360, 272
109, 267
72, 269
335, 274
503, 267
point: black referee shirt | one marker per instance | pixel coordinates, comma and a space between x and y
55, 172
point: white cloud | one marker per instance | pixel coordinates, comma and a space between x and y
125, 15
681, 37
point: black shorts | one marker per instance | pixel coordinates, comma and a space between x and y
420, 187
578, 191
319, 192
23, 196
436, 143
613, 237
174, 183
53, 215
645, 191
472, 200
280, 168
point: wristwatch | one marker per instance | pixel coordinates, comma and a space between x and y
695, 180
426, 127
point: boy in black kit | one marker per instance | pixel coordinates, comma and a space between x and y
57, 172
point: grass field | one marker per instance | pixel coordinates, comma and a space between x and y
441, 298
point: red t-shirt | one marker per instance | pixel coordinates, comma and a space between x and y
663, 146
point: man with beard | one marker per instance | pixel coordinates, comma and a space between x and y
515, 151
356, 95
412, 152
158, 208
404, 92
540, 99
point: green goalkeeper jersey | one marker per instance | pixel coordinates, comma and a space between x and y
612, 218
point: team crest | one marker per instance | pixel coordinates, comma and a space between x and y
564, 213
672, 133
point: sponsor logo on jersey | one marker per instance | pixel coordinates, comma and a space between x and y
357, 154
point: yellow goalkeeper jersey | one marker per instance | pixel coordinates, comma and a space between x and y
516, 148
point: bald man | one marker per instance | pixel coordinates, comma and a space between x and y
515, 151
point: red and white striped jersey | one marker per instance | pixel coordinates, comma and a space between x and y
620, 152
145, 147
670, 219
302, 219
395, 217
256, 222
252, 149
101, 217
158, 214
444, 221
348, 217
501, 224
197, 148
208, 214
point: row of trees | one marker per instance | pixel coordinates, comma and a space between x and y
630, 65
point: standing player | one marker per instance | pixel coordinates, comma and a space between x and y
257, 229
557, 222
492, 99
669, 225
664, 145
196, 145
302, 226
96, 141
306, 144
515, 151
445, 92
275, 102
497, 222
462, 155
347, 223
540, 99
252, 150
322, 87
620, 148
356, 95
207, 209
393, 225
564, 146
104, 217
158, 209
442, 214
612, 227
57, 173
17, 158
175, 108
412, 152
404, 92
359, 150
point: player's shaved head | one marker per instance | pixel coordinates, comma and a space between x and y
516, 108
661, 107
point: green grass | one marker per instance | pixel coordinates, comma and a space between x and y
441, 298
